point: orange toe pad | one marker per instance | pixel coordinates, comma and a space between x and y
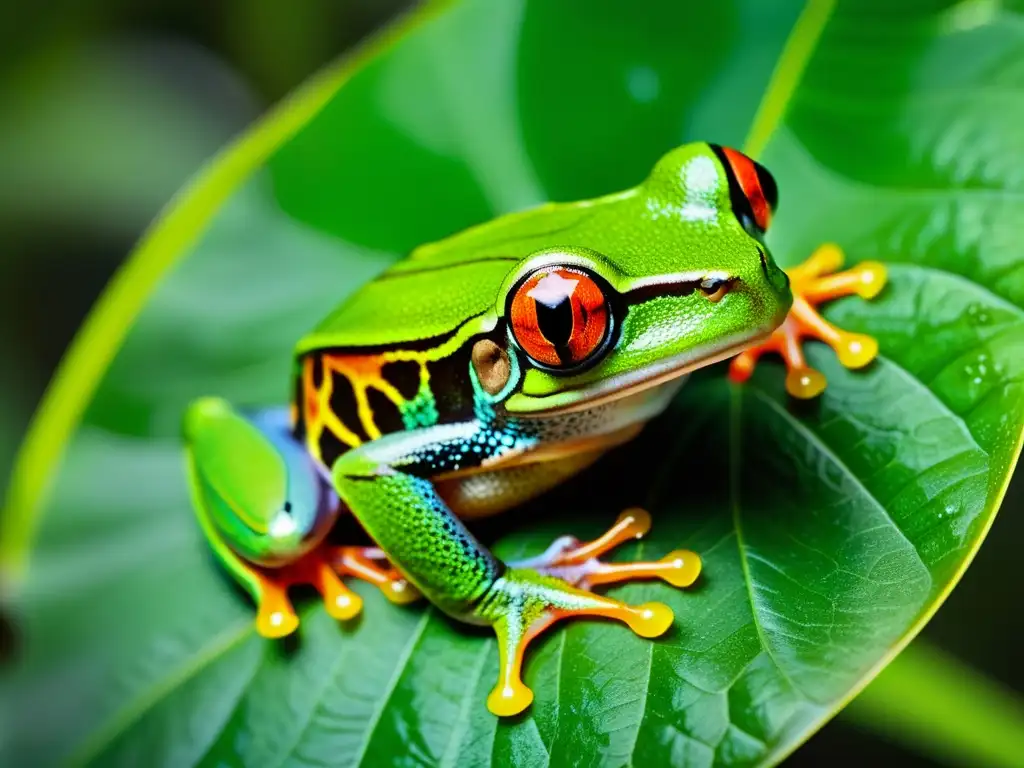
813, 283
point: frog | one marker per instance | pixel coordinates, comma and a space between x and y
484, 370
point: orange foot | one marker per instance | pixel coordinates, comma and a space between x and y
815, 282
321, 568
365, 563
578, 562
534, 594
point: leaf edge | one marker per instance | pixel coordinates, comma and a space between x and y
164, 242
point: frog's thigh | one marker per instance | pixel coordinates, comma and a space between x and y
264, 508
491, 492
255, 484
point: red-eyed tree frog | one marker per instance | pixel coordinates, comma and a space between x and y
487, 368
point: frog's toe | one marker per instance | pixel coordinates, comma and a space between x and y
813, 283
339, 601
680, 568
274, 625
579, 564
275, 616
533, 594
362, 562
523, 603
805, 383
269, 585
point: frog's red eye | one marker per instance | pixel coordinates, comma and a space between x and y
752, 188
559, 317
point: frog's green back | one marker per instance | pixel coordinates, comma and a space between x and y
668, 224
444, 284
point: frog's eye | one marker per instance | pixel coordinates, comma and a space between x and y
753, 191
560, 317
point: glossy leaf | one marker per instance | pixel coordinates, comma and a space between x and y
830, 530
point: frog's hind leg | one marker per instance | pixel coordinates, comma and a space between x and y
813, 283
265, 509
578, 562
275, 615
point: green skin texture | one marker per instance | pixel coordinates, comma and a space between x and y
676, 228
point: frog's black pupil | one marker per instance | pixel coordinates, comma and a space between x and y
556, 324
287, 506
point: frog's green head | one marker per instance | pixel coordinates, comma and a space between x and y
674, 276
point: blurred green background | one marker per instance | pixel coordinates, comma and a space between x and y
109, 106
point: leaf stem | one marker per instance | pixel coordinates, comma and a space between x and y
161, 248
788, 71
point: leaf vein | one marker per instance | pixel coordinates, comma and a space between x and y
826, 450
734, 459
389, 689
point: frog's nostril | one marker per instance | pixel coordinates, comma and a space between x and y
776, 277
715, 288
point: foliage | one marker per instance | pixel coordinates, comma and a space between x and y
830, 531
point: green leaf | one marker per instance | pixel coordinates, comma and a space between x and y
830, 530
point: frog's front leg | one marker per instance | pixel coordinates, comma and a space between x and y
813, 283
265, 510
387, 485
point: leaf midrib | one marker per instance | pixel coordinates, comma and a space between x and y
328, 679
389, 689
735, 407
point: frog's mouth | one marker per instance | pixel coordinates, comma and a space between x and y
627, 384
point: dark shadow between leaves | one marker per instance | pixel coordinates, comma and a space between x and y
9, 638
